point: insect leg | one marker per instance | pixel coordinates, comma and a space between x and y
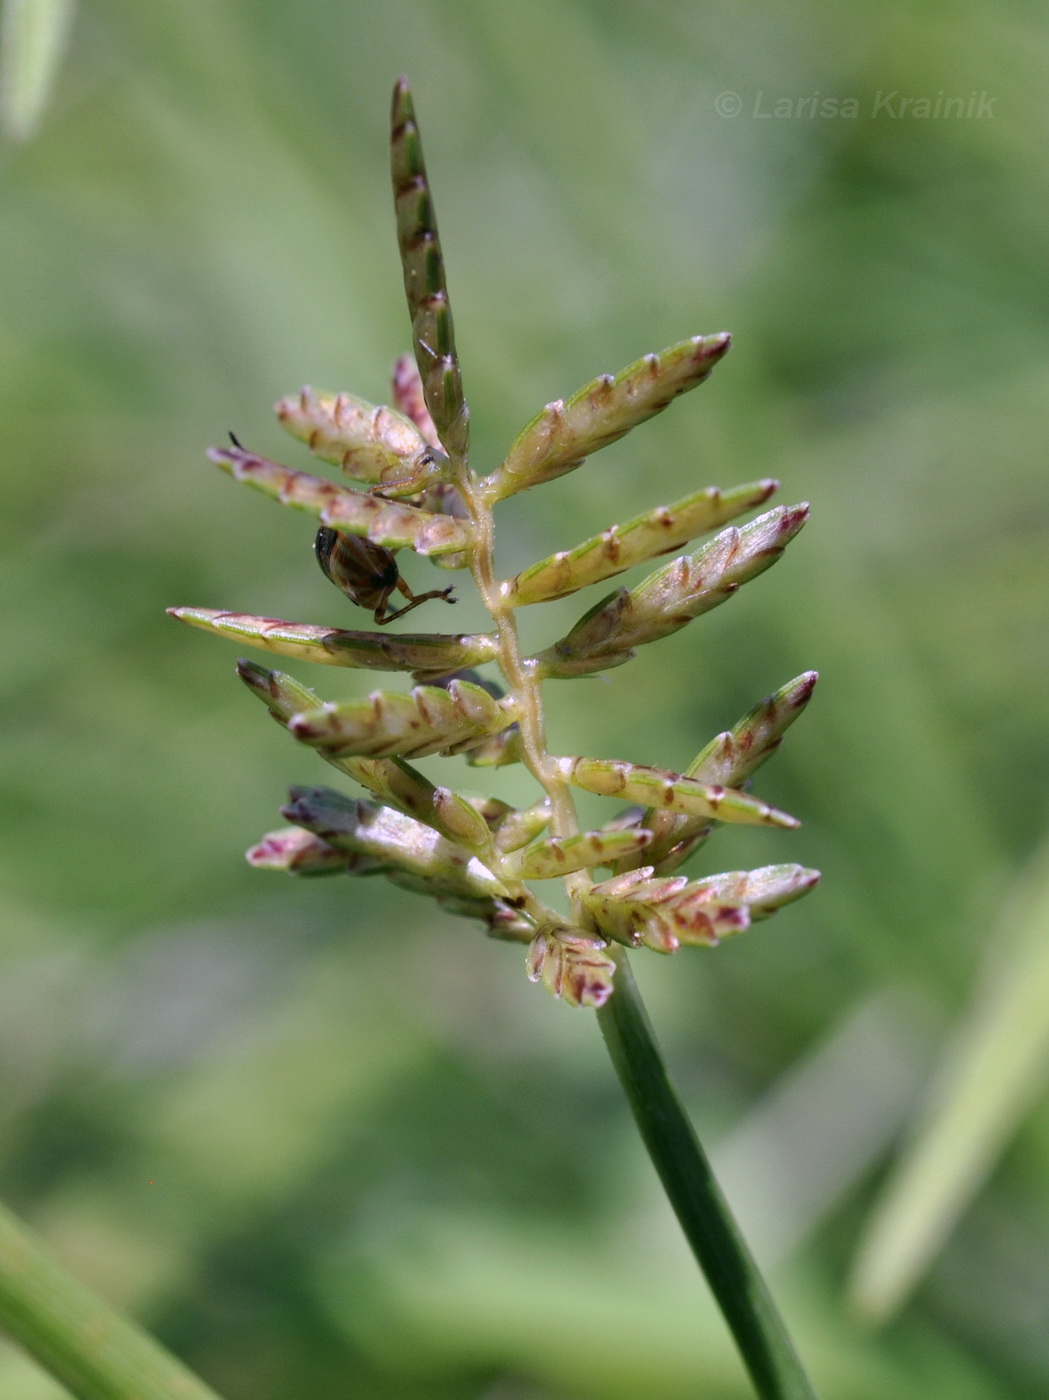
414, 600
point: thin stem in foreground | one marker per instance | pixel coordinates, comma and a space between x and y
693, 1191
84, 1343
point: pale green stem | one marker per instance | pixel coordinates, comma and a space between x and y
520, 674
84, 1343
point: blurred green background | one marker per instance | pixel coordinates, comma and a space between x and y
328, 1141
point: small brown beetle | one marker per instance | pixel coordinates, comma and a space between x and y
367, 573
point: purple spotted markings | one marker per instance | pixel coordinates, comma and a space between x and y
571, 965
662, 914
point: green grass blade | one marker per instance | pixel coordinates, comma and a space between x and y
33, 36
84, 1343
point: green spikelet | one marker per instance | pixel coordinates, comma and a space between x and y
729, 759
662, 914
424, 284
388, 523
430, 720
669, 792
572, 965
391, 839
620, 547
566, 432
546, 860
670, 598
374, 444
426, 654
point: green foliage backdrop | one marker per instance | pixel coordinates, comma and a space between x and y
325, 1140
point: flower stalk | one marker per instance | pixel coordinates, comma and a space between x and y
693, 1191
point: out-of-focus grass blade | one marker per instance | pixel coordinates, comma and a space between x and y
823, 1123
991, 1071
33, 35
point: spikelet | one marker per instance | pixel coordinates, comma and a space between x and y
620, 547
424, 654
670, 598
388, 723
546, 860
637, 910
395, 782
391, 524
730, 758
406, 390
299, 852
669, 792
373, 444
424, 285
391, 839
572, 965
516, 826
563, 434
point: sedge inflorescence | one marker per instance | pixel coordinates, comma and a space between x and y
476, 855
